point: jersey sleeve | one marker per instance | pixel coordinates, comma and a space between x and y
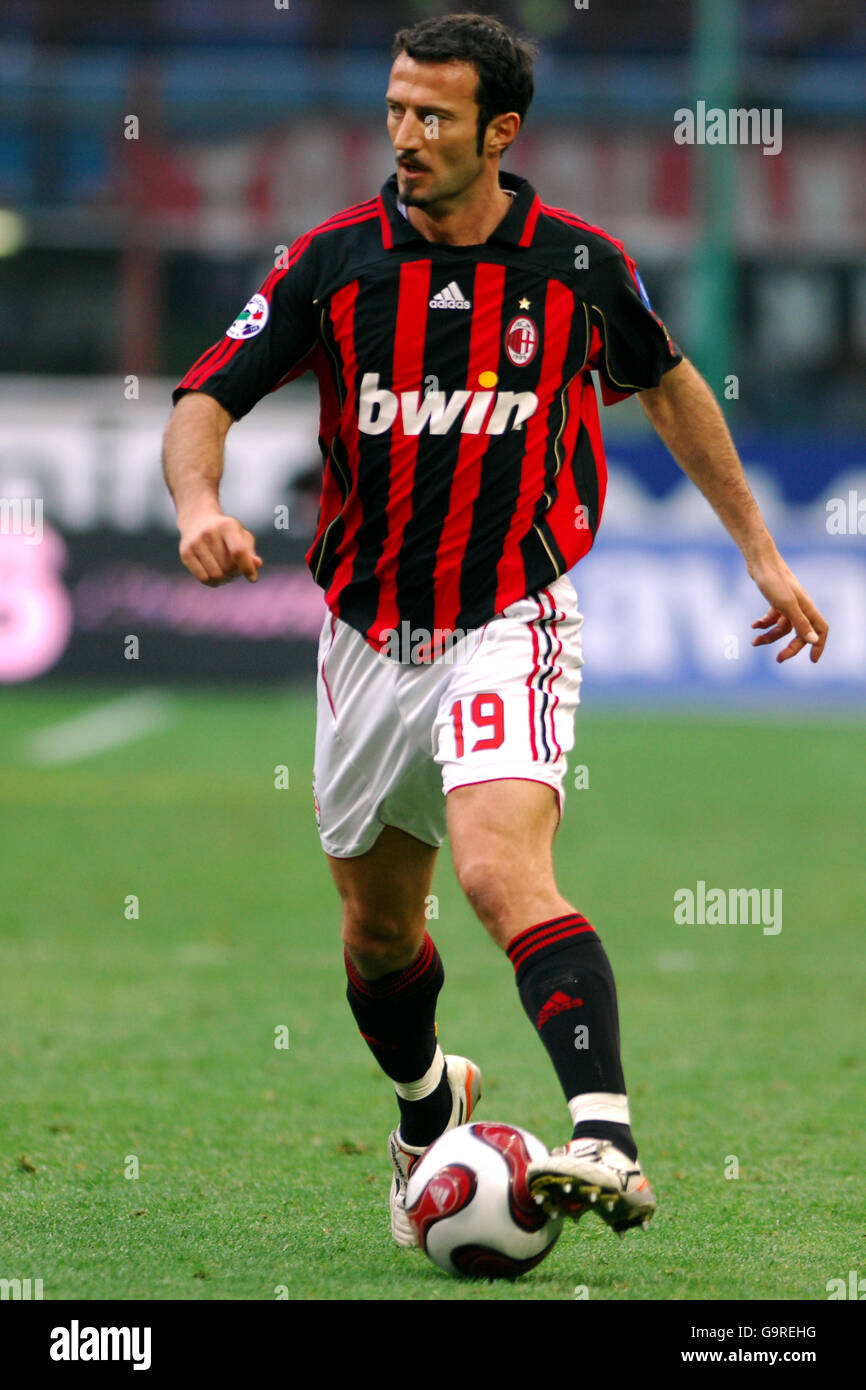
630, 346
267, 343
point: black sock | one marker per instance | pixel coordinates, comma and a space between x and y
567, 989
606, 1129
396, 1015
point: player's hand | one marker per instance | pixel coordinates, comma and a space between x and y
791, 609
217, 548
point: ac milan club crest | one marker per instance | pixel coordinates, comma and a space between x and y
521, 340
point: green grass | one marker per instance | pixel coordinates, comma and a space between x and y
153, 1038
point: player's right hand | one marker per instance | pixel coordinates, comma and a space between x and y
791, 609
217, 548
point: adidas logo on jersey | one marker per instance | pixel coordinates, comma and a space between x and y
486, 412
450, 298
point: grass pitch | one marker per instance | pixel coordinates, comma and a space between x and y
155, 1143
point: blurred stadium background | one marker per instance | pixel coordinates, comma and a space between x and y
152, 158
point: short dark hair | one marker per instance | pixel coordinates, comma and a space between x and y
502, 59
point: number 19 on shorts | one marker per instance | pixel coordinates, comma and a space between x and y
481, 719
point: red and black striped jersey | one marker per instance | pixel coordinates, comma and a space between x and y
463, 460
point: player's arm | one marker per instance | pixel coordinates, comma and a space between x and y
687, 417
214, 547
267, 345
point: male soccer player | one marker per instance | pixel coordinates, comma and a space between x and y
453, 322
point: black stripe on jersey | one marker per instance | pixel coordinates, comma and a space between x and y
577, 354
323, 561
539, 557
375, 313
494, 506
585, 468
447, 342
542, 532
332, 355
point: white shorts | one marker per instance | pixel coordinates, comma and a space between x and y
392, 740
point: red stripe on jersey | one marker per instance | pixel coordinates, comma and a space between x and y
529, 226
407, 371
358, 211
295, 252
349, 217
485, 331
342, 313
558, 311
216, 356
571, 532
200, 370
362, 212
226, 351
220, 353
387, 235
596, 346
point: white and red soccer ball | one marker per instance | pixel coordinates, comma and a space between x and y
469, 1202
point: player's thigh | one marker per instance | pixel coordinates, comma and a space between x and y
504, 729
384, 894
501, 835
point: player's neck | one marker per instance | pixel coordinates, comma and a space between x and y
470, 222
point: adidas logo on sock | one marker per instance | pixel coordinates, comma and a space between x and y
558, 1003
450, 298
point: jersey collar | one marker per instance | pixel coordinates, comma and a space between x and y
517, 227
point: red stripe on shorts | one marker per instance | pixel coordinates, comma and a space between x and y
324, 659
530, 682
557, 671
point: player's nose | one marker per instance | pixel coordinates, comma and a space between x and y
408, 138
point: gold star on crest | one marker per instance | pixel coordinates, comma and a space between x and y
524, 303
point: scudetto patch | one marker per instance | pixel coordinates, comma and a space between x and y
251, 320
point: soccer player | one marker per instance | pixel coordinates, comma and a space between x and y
453, 322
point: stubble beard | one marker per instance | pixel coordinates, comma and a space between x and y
411, 198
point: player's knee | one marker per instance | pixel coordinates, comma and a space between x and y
378, 940
485, 879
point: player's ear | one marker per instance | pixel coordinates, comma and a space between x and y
501, 132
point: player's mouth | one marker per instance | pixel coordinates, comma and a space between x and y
412, 170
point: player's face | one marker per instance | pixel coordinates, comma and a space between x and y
433, 125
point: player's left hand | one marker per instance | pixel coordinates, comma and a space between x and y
790, 608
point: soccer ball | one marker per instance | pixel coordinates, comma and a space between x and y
469, 1202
